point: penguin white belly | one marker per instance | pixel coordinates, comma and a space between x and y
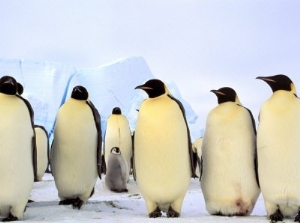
118, 135
161, 152
42, 152
74, 160
278, 157
228, 180
16, 165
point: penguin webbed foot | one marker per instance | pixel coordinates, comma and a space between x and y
10, 218
277, 216
119, 191
155, 214
77, 204
172, 213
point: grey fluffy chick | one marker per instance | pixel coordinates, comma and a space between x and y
116, 175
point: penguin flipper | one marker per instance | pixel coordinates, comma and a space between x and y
34, 158
132, 158
255, 150
97, 119
190, 148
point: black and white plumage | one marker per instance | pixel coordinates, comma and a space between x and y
18, 150
162, 151
229, 179
76, 149
278, 149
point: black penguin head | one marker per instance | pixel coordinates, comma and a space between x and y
116, 111
115, 150
279, 82
80, 93
226, 94
20, 88
8, 85
153, 88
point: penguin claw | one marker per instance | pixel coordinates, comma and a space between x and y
172, 214
155, 214
277, 216
10, 218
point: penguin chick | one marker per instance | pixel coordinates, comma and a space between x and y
229, 177
278, 149
162, 151
116, 175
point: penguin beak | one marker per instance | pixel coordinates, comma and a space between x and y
266, 79
143, 87
217, 92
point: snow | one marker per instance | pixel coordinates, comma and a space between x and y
108, 206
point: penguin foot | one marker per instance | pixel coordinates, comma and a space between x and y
119, 191
155, 214
277, 216
172, 214
67, 202
10, 218
77, 204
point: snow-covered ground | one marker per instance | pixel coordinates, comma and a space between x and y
107, 206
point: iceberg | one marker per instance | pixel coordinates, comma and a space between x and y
48, 85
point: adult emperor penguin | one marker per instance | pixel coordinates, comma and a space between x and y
278, 147
229, 178
196, 146
42, 145
76, 149
17, 143
162, 151
118, 134
117, 172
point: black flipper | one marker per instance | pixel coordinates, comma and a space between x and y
133, 163
189, 135
34, 151
97, 119
255, 150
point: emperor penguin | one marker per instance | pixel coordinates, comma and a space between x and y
229, 180
42, 145
196, 146
18, 151
76, 149
162, 151
278, 147
116, 175
118, 134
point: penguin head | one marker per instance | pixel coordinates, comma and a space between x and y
80, 93
226, 94
8, 85
116, 111
153, 88
279, 82
115, 150
20, 88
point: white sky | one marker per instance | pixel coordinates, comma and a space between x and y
199, 44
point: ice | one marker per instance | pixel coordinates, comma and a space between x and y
44, 85
47, 85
